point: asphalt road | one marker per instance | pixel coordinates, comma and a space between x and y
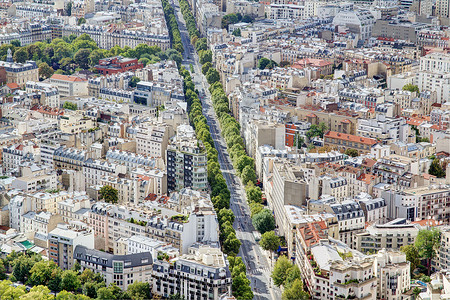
258, 267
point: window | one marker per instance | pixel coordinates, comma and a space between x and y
118, 267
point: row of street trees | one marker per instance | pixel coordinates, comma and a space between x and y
47, 276
219, 190
220, 195
288, 275
172, 25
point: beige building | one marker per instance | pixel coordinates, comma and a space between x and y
289, 188
392, 235
393, 274
69, 85
152, 139
19, 73
76, 123
260, 132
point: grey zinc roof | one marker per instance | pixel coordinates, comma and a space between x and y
97, 257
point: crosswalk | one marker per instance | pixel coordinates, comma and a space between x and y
259, 271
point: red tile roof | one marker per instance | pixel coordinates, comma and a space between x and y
66, 78
13, 85
350, 137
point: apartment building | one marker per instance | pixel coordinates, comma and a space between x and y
360, 22
386, 129
392, 235
69, 85
111, 222
121, 270
69, 158
132, 160
186, 162
74, 208
375, 209
289, 188
393, 168
33, 183
393, 274
336, 187
262, 132
49, 94
433, 75
13, 156
152, 139
36, 226
343, 141
349, 214
332, 271
140, 243
63, 241
202, 273
95, 169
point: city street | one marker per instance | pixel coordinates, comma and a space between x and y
258, 266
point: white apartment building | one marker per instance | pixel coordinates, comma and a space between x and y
36, 226
434, 75
152, 139
358, 21
393, 274
202, 273
75, 207
95, 169
14, 155
392, 235
387, 129
49, 93
336, 187
122, 270
375, 210
33, 183
132, 160
140, 243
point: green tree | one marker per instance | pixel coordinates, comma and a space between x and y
295, 292
255, 208
231, 244
15, 43
316, 130
2, 270
70, 281
241, 287
68, 9
105, 293
264, 221
206, 67
45, 71
269, 241
205, 56
38, 292
109, 194
95, 56
20, 55
134, 81
412, 255
225, 215
9, 292
427, 243
436, 169
351, 152
139, 291
265, 63
201, 44
411, 87
212, 76
70, 105
82, 58
293, 274
81, 21
253, 193
236, 32
41, 273
248, 175
21, 267
247, 19
281, 270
